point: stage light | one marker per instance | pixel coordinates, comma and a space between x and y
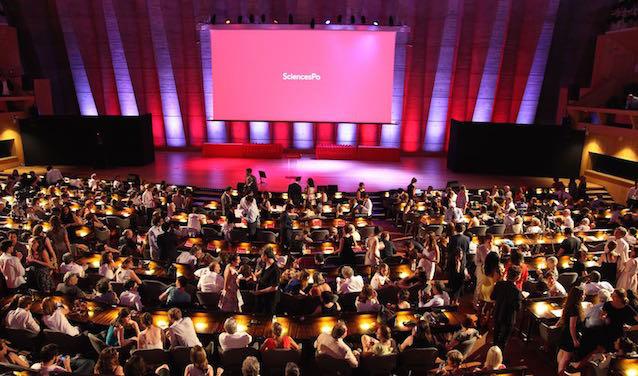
375, 23
227, 21
275, 21
363, 19
312, 23
251, 18
391, 21
339, 19
327, 22
290, 20
240, 19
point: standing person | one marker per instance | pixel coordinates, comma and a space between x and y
227, 202
571, 244
285, 227
628, 279
373, 245
151, 237
251, 183
266, 294
507, 298
250, 212
411, 188
430, 256
608, 263
231, 300
346, 246
458, 240
148, 201
59, 237
167, 243
570, 322
482, 251
456, 275
294, 192
11, 267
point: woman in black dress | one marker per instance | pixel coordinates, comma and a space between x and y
346, 247
570, 321
618, 313
456, 275
608, 262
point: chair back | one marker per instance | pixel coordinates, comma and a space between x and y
436, 229
478, 230
102, 235
328, 365
180, 358
378, 365
274, 361
366, 231
266, 237
238, 235
496, 229
319, 235
210, 300
567, 279
417, 361
513, 371
117, 287
153, 357
21, 339
233, 359
71, 344
347, 301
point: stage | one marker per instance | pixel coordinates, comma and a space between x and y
190, 168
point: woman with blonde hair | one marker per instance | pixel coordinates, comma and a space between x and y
199, 363
493, 359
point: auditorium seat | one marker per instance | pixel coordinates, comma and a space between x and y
21, 339
327, 365
319, 235
266, 237
150, 291
153, 357
274, 361
209, 300
550, 337
366, 232
119, 223
102, 235
71, 344
233, 359
496, 229
297, 305
417, 361
180, 358
436, 229
478, 230
347, 301
567, 279
378, 365
238, 235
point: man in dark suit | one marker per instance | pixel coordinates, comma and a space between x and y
167, 243
507, 298
227, 202
570, 245
285, 227
458, 240
294, 192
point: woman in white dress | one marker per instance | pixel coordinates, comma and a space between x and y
374, 246
628, 279
231, 300
125, 272
152, 337
430, 256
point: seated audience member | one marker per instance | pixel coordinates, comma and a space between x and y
190, 257
452, 365
135, 366
21, 317
11, 356
464, 338
292, 369
11, 267
594, 316
319, 285
130, 297
69, 286
381, 278
439, 296
181, 331
210, 278
493, 359
108, 363
125, 272
278, 340
420, 337
367, 300
199, 363
176, 295
594, 284
54, 317
329, 305
350, 282
333, 345
69, 265
107, 266
50, 361
116, 333
382, 345
623, 348
105, 293
250, 367
554, 288
299, 284
403, 299
152, 337
233, 338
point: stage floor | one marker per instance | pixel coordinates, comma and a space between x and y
190, 168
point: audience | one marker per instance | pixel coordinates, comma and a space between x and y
233, 337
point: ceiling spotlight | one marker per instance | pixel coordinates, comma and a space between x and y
275, 21
375, 23
227, 21
327, 22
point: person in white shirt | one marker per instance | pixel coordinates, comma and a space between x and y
210, 278
595, 285
334, 346
366, 207
583, 225
509, 220
151, 237
381, 278
232, 338
69, 266
107, 266
567, 218
93, 182
11, 266
181, 332
148, 200
439, 299
350, 282
130, 297
195, 222
125, 272
250, 212
622, 247
554, 288
188, 258
54, 317
534, 227
53, 175
453, 214
21, 317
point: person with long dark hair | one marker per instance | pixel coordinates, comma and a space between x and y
570, 323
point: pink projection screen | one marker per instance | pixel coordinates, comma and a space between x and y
302, 75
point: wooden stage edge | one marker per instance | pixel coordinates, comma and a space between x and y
191, 168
